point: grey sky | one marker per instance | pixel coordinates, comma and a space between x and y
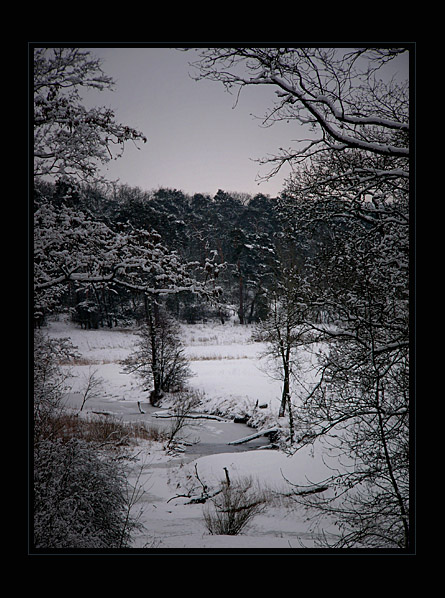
197, 141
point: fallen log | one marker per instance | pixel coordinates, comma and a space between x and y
253, 436
305, 491
195, 416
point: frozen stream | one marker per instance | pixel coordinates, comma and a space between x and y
206, 436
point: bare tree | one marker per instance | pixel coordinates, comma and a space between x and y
359, 408
50, 382
349, 193
159, 357
71, 141
333, 91
283, 330
92, 387
183, 405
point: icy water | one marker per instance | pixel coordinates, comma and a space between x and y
208, 448
214, 438
203, 436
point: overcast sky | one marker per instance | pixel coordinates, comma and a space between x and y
197, 141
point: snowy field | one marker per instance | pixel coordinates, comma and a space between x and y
229, 372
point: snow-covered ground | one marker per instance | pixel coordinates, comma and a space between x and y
229, 372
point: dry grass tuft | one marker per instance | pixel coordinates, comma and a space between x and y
103, 430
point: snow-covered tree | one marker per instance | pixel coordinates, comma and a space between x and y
159, 358
71, 141
337, 94
79, 494
79, 498
358, 279
72, 246
348, 197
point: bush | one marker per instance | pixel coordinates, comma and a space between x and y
50, 382
79, 498
234, 507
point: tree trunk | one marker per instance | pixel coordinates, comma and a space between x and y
285, 397
241, 298
150, 313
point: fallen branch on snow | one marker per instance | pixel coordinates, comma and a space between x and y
205, 493
253, 436
173, 415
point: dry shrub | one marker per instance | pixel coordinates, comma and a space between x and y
103, 430
234, 507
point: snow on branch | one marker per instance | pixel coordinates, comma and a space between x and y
324, 87
70, 245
